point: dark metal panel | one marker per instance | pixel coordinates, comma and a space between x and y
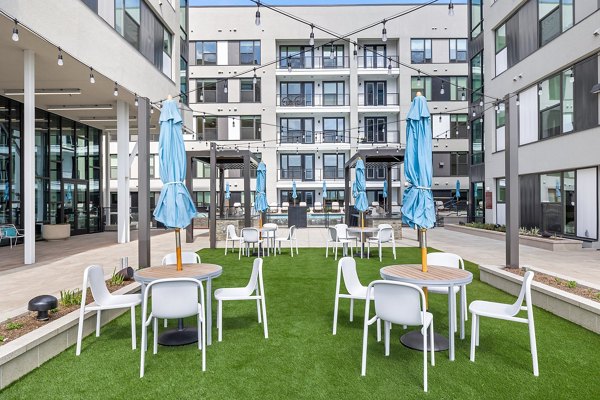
436, 85
477, 173
222, 97
441, 164
223, 128
531, 208
212, 213
147, 20
159, 34
144, 216
511, 172
233, 53
512, 40
528, 25
585, 102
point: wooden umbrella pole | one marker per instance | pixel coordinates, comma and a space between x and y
423, 242
178, 249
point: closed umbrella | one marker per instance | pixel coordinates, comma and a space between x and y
6, 194
360, 186
385, 193
260, 197
417, 202
457, 194
227, 196
174, 208
557, 189
324, 191
294, 194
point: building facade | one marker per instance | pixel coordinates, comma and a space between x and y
539, 57
310, 105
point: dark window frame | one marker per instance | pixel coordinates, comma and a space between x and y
423, 52
456, 59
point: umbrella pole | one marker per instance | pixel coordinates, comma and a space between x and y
423, 242
178, 249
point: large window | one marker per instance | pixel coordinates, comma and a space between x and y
477, 149
375, 130
250, 91
556, 105
375, 56
334, 130
333, 166
501, 50
114, 167
297, 130
296, 57
555, 17
206, 90
459, 163
333, 56
420, 51
297, 167
375, 93
202, 170
207, 128
458, 85
250, 52
476, 20
206, 53
250, 127
477, 77
299, 94
420, 84
334, 94
458, 126
501, 190
458, 50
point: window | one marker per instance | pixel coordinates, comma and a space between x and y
477, 150
375, 56
297, 57
501, 116
459, 163
206, 53
297, 130
206, 90
297, 166
201, 170
420, 51
375, 173
151, 170
375, 93
556, 105
555, 17
457, 88
375, 130
501, 51
114, 167
458, 126
249, 91
333, 166
308, 196
207, 128
250, 52
458, 50
477, 77
501, 38
333, 56
250, 127
127, 20
334, 130
299, 94
334, 94
501, 190
476, 22
420, 84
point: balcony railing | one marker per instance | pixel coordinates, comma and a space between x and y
297, 173
336, 137
377, 62
315, 62
313, 100
383, 99
330, 174
310, 137
380, 137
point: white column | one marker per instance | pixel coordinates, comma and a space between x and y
123, 211
28, 210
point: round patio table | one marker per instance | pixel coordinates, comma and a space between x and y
435, 276
362, 231
181, 335
269, 239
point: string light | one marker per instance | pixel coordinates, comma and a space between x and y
60, 61
355, 51
517, 102
451, 9
384, 33
539, 90
289, 65
442, 91
311, 41
136, 101
15, 33
480, 103
92, 79
116, 92
440, 117
419, 76
151, 110
257, 19
463, 96
389, 65
225, 87
502, 107
571, 77
331, 56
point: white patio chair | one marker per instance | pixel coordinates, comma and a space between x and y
187, 257
374, 204
284, 206
269, 236
318, 206
507, 312
172, 299
387, 295
302, 204
356, 291
451, 261
12, 233
342, 230
291, 237
231, 236
333, 240
254, 290
384, 235
273, 207
335, 206
103, 300
250, 236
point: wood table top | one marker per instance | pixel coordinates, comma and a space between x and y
365, 229
435, 276
196, 271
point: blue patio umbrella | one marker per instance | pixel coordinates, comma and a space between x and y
457, 190
174, 208
294, 194
6, 194
227, 192
260, 197
417, 202
359, 190
557, 188
324, 190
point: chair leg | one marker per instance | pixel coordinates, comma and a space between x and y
432, 343
203, 337
80, 330
394, 248
335, 312
478, 322
336, 246
424, 332
220, 319
378, 330
380, 255
369, 250
258, 309
473, 334
226, 246
363, 370
240, 253
351, 310
297, 247
143, 348
533, 345
464, 301
291, 248
327, 250
155, 335
165, 323
386, 328
98, 321
264, 315
133, 338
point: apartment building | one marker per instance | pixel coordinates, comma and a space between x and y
72, 76
544, 55
305, 106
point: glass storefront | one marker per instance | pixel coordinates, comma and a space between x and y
67, 170
478, 202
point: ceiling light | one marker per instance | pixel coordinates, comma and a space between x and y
81, 107
15, 33
42, 92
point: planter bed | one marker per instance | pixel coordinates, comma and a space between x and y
557, 244
579, 310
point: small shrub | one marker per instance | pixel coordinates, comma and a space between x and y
572, 284
54, 311
558, 281
1, 338
70, 297
598, 296
535, 231
11, 326
116, 278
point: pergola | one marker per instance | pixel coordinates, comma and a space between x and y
220, 160
386, 158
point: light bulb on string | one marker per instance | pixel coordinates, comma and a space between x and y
451, 9
419, 76
502, 106
257, 19
389, 65
540, 90
92, 79
311, 41
355, 51
60, 61
463, 96
480, 103
571, 77
440, 117
384, 33
331, 52
289, 66
225, 87
116, 92
136, 101
442, 91
517, 102
15, 31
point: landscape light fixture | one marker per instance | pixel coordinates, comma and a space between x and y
384, 33
92, 79
257, 20
311, 41
60, 61
15, 33
451, 9
116, 92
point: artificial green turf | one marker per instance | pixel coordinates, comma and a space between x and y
302, 359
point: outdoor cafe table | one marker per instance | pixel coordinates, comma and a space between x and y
181, 335
270, 240
435, 276
362, 231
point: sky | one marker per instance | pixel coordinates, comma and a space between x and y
308, 2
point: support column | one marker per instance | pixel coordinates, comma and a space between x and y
221, 192
105, 177
189, 183
347, 193
390, 196
212, 215
123, 211
247, 201
143, 152
29, 157
511, 167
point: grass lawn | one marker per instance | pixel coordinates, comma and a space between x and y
302, 359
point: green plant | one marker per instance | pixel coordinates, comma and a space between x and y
13, 325
116, 278
70, 297
535, 231
558, 281
598, 296
572, 284
1, 338
54, 311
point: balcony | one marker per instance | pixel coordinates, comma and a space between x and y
377, 62
316, 62
313, 100
310, 175
310, 137
381, 137
378, 99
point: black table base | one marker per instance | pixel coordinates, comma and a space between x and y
178, 337
414, 340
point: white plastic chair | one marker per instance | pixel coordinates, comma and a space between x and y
356, 291
269, 236
187, 257
507, 312
250, 236
318, 206
333, 240
387, 295
284, 206
103, 300
291, 237
335, 206
342, 231
231, 236
273, 207
384, 235
302, 204
172, 299
449, 260
255, 290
